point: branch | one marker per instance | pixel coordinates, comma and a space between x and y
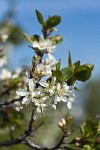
6, 103
22, 139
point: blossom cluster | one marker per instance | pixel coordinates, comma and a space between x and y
44, 95
6, 74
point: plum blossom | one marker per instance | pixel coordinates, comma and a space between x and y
37, 96
59, 91
3, 61
44, 44
16, 73
3, 37
27, 94
43, 106
5, 74
45, 68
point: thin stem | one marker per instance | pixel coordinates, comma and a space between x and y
6, 103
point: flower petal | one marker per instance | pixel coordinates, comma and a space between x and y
35, 44
57, 99
63, 98
43, 83
31, 85
69, 105
26, 100
22, 92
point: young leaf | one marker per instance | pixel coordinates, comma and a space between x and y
28, 38
35, 37
58, 66
52, 22
39, 17
91, 66
77, 63
57, 74
82, 73
67, 73
89, 128
69, 60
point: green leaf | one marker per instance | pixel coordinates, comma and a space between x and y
89, 128
82, 73
58, 66
69, 60
77, 63
39, 17
57, 74
67, 73
52, 22
56, 39
28, 38
75, 88
91, 66
35, 37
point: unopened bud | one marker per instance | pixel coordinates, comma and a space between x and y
62, 123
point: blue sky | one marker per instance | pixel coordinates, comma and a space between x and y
80, 28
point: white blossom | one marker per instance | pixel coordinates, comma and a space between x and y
44, 44
3, 61
28, 94
50, 61
43, 106
18, 106
16, 73
59, 91
5, 74
43, 70
4, 37
46, 67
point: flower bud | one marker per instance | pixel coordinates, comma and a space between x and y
62, 123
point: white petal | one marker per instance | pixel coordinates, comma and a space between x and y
49, 42
38, 110
71, 99
33, 94
65, 86
53, 106
69, 105
17, 108
43, 105
51, 57
43, 83
25, 100
31, 85
57, 99
53, 81
35, 44
58, 86
63, 98
22, 92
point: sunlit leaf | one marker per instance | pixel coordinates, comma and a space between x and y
91, 66
27, 37
67, 73
52, 22
69, 60
58, 66
82, 73
39, 17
